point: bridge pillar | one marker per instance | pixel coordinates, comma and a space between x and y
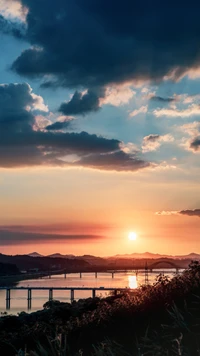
93, 293
50, 294
113, 274
146, 275
29, 299
95, 274
8, 299
65, 275
115, 292
177, 270
49, 276
80, 275
72, 295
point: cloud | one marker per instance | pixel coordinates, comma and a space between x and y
116, 161
24, 142
142, 110
167, 213
91, 100
117, 96
195, 144
153, 142
87, 43
81, 104
10, 238
161, 99
195, 212
12, 9
190, 111
191, 128
9, 27
59, 125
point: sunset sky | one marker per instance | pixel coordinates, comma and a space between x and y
99, 126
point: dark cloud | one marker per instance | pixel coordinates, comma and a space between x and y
59, 125
81, 104
10, 238
14, 100
117, 161
15, 29
152, 138
21, 144
195, 212
195, 144
87, 43
161, 99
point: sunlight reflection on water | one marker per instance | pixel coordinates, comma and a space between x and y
132, 281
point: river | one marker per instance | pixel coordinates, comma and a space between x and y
120, 280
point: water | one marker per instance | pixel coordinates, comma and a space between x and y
120, 280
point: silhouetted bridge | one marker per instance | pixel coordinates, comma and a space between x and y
52, 289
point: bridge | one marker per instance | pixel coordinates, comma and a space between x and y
52, 289
161, 261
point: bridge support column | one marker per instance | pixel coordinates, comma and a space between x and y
177, 270
115, 292
50, 294
72, 295
29, 299
65, 275
93, 293
146, 275
113, 274
95, 274
80, 275
8, 299
49, 276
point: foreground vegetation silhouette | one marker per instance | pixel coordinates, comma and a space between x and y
158, 320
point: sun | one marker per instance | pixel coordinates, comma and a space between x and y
132, 236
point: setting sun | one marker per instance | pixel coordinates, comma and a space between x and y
132, 236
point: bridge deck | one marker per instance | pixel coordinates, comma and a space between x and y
65, 288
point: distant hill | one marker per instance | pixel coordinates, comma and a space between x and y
148, 255
25, 262
93, 260
34, 254
192, 256
59, 255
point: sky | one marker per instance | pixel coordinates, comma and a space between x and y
99, 127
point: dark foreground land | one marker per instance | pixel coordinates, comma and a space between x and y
159, 320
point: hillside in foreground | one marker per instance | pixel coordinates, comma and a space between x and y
158, 320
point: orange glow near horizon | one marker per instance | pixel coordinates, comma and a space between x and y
105, 215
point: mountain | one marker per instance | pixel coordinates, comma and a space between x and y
44, 263
148, 255
145, 255
59, 255
192, 256
93, 260
34, 254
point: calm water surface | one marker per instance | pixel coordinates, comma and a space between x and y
120, 280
